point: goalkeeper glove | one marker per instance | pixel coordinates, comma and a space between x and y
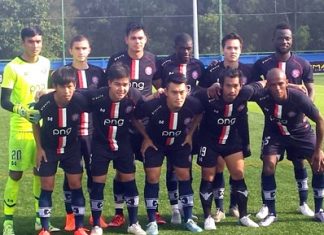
31, 115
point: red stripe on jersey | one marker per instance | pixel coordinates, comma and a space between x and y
226, 129
61, 123
278, 114
173, 124
134, 73
282, 66
84, 117
183, 69
112, 130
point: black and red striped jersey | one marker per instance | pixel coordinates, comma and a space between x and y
111, 120
286, 118
298, 70
221, 120
193, 70
91, 78
141, 71
167, 128
59, 130
215, 69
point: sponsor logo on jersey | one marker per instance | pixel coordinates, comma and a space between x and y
275, 119
240, 108
102, 110
226, 121
295, 73
62, 131
148, 70
113, 122
138, 85
171, 133
161, 122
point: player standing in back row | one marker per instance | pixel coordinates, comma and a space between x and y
142, 65
298, 71
22, 78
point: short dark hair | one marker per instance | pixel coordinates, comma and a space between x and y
177, 78
182, 38
64, 76
134, 26
30, 32
117, 71
232, 36
78, 38
230, 73
281, 26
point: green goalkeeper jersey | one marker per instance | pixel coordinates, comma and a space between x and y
25, 79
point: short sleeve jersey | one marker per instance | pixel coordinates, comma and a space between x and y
298, 70
90, 78
167, 128
111, 120
193, 70
219, 123
287, 118
141, 71
25, 79
215, 69
59, 130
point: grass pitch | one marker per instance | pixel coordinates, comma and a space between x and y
289, 221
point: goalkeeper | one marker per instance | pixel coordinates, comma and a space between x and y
22, 78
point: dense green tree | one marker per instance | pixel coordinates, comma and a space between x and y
16, 15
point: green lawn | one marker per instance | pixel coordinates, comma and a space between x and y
287, 199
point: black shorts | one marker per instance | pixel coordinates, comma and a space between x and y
178, 157
208, 153
297, 147
123, 159
85, 141
70, 162
136, 142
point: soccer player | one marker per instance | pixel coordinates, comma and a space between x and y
57, 143
112, 110
232, 45
88, 76
220, 137
22, 78
298, 71
286, 129
192, 69
142, 66
173, 118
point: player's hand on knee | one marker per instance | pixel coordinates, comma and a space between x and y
147, 143
318, 161
188, 140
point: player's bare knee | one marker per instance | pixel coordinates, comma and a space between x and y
208, 174
15, 175
237, 174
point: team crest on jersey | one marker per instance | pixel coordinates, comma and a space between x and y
95, 80
291, 114
187, 121
75, 116
148, 70
128, 109
295, 73
194, 74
